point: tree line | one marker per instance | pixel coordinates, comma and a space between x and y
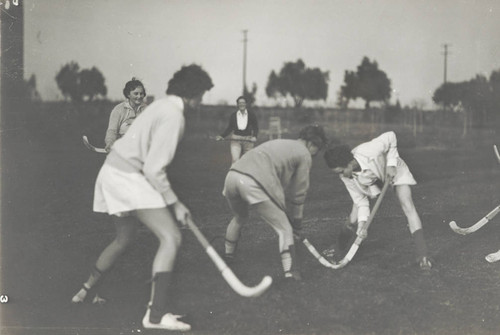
368, 82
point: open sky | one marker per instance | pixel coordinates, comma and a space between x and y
151, 39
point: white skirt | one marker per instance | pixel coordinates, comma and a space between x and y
403, 175
120, 193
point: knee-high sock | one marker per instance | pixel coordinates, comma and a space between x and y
161, 293
95, 276
289, 259
420, 245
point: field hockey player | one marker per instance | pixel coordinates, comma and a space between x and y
258, 181
123, 114
361, 169
133, 182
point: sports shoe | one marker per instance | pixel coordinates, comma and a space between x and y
85, 294
425, 264
294, 274
168, 322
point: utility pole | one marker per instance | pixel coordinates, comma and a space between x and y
244, 60
445, 53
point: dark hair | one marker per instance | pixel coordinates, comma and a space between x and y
241, 97
132, 85
314, 134
189, 82
338, 156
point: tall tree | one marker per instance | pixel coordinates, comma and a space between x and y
68, 81
298, 81
368, 83
92, 83
349, 91
250, 95
79, 84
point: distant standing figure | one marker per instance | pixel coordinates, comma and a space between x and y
124, 113
244, 127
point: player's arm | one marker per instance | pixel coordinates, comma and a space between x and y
230, 127
113, 126
361, 205
299, 186
389, 145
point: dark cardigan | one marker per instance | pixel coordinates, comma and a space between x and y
252, 128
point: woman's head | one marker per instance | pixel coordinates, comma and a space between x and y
190, 82
135, 92
338, 157
242, 103
314, 134
132, 85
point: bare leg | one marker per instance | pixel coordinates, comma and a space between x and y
161, 222
403, 193
233, 232
235, 151
126, 228
278, 220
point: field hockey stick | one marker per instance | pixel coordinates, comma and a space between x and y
496, 152
226, 272
355, 246
493, 257
91, 147
477, 225
233, 139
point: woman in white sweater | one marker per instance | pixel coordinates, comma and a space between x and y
133, 183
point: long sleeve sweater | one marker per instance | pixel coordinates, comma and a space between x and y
149, 145
252, 128
279, 166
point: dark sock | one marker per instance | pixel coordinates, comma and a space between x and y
161, 296
420, 245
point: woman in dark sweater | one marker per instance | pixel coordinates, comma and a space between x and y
244, 128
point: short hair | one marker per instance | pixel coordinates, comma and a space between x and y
241, 97
314, 134
189, 82
338, 156
132, 85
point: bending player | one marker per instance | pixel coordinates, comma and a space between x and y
360, 169
133, 183
258, 181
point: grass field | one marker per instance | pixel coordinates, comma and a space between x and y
51, 237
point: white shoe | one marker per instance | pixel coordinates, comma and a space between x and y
168, 321
85, 294
425, 264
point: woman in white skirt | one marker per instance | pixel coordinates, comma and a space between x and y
133, 183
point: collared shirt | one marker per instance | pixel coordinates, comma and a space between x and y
242, 119
373, 157
251, 128
120, 119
